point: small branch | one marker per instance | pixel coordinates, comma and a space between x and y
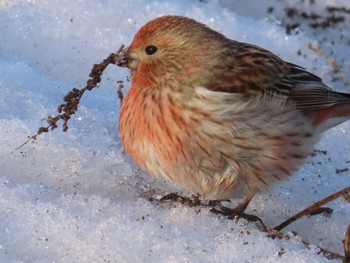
72, 98
276, 234
347, 246
328, 254
119, 92
312, 208
195, 201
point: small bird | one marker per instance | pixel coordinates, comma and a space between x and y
222, 118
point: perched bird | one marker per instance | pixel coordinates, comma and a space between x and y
222, 118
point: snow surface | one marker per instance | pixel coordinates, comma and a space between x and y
75, 197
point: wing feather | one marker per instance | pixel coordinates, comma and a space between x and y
254, 71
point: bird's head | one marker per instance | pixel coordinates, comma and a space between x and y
171, 48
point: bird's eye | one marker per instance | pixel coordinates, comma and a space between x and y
150, 50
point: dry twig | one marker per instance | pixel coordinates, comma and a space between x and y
309, 210
347, 246
72, 99
195, 201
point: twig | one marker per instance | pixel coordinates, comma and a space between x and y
72, 99
119, 92
195, 201
347, 246
276, 234
312, 208
328, 254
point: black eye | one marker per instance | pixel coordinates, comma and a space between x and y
150, 50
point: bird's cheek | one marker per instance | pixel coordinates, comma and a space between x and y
132, 64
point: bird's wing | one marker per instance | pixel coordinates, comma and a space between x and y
254, 71
309, 92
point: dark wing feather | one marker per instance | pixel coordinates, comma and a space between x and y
254, 71
310, 93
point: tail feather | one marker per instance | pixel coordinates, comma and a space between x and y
315, 99
329, 117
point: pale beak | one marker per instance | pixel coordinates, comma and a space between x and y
124, 58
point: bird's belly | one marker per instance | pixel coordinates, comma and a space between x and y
224, 155
223, 165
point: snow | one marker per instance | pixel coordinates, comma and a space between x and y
76, 197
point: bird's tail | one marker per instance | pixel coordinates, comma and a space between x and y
336, 113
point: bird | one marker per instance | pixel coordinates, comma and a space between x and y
222, 118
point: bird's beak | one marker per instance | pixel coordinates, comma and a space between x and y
124, 58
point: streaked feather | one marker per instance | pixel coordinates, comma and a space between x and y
258, 72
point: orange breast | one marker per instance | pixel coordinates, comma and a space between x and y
152, 129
